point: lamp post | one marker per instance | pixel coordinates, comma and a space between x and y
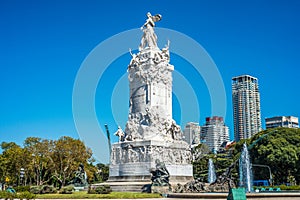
108, 138
101, 174
22, 173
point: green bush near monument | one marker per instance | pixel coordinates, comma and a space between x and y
43, 189
101, 189
67, 190
22, 188
21, 195
25, 195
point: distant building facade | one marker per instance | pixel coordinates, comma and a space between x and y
191, 133
246, 107
282, 121
214, 133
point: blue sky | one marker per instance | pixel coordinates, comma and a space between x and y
44, 43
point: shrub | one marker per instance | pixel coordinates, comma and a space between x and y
67, 189
2, 194
35, 189
22, 188
292, 187
103, 189
91, 190
25, 195
48, 189
44, 189
7, 195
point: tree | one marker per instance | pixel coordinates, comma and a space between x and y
40, 165
279, 148
68, 153
13, 158
200, 151
103, 172
45, 161
2, 169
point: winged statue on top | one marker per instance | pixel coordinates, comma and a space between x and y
149, 38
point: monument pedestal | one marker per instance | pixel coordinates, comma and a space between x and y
131, 161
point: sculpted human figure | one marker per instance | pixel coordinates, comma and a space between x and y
149, 37
120, 134
80, 176
165, 52
132, 129
148, 117
160, 175
175, 131
134, 60
142, 153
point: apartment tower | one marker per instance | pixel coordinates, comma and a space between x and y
191, 133
282, 121
214, 133
246, 107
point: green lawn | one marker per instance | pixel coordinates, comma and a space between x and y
112, 195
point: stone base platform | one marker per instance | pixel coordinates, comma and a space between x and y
127, 186
173, 179
138, 183
131, 162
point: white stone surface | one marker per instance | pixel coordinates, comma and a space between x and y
136, 158
150, 132
180, 170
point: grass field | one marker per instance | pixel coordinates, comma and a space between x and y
112, 195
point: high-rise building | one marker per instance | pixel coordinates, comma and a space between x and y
214, 132
282, 121
246, 107
191, 133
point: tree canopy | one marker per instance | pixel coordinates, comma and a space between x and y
45, 161
278, 148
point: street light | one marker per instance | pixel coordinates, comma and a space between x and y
101, 174
22, 173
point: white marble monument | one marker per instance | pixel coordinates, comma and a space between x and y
150, 132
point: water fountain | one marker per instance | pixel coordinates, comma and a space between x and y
211, 172
224, 186
245, 169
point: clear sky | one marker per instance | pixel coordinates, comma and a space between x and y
44, 43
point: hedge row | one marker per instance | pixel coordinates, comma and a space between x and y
21, 195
